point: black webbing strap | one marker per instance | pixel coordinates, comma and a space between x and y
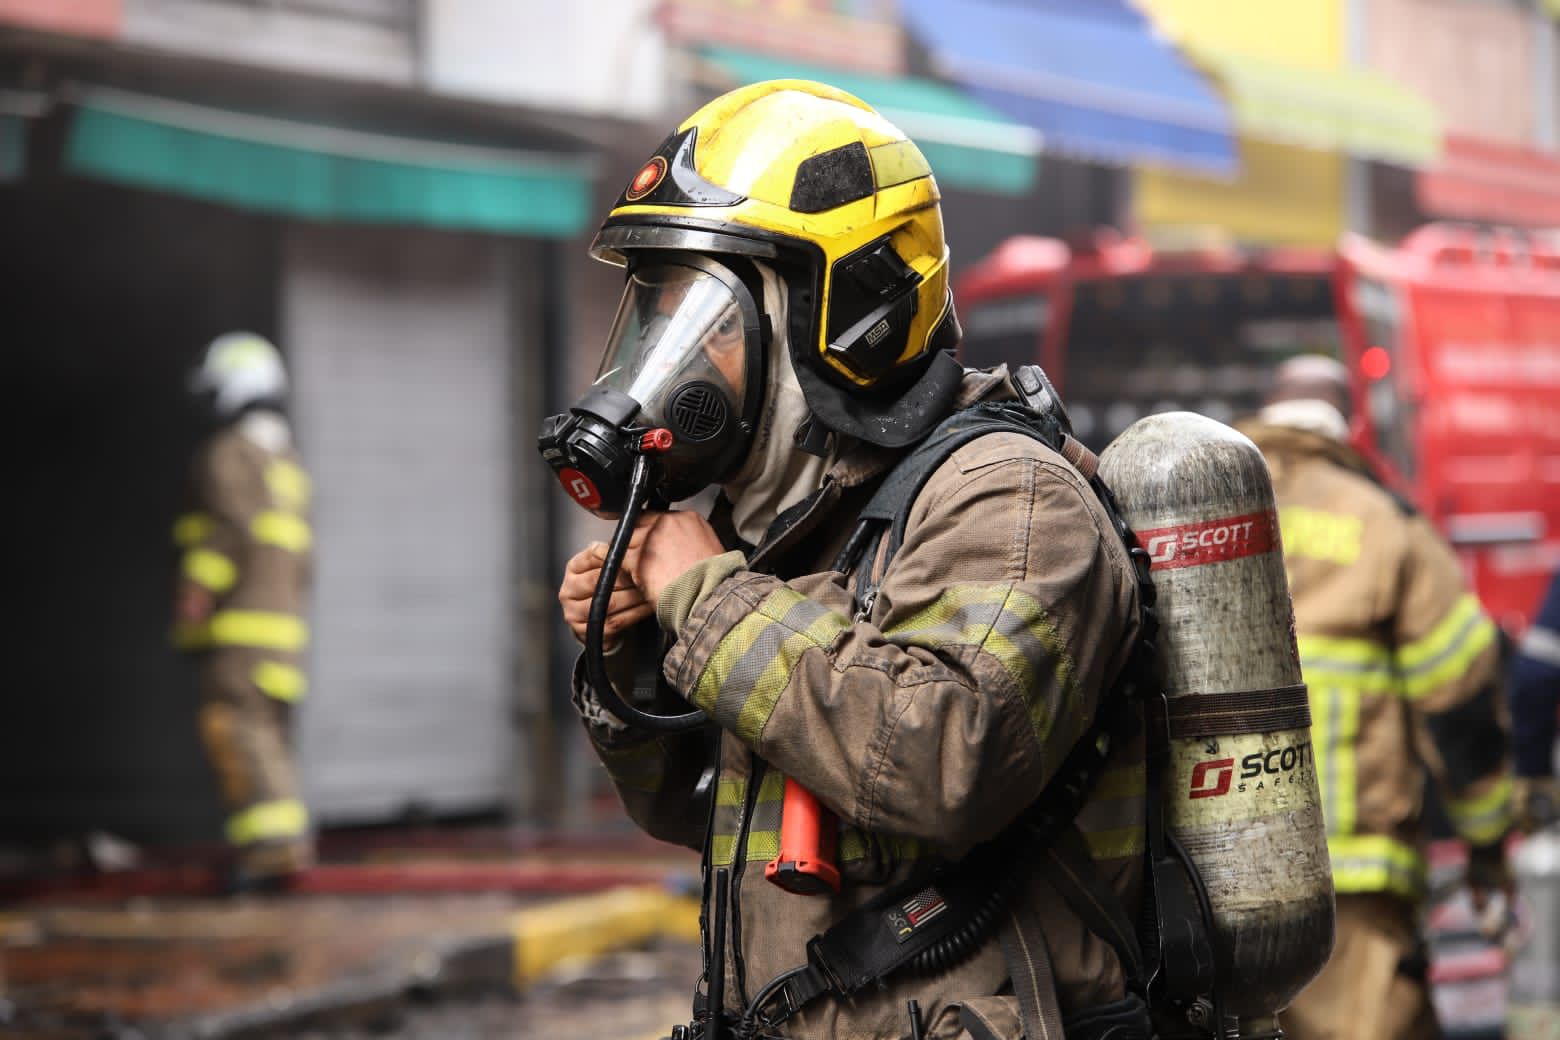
1236, 712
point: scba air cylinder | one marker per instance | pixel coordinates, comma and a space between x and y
1241, 792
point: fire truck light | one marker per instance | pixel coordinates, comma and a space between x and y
1376, 362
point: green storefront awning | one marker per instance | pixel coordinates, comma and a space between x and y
1341, 110
323, 172
968, 144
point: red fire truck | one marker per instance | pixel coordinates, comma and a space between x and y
1453, 339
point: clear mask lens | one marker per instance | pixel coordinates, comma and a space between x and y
674, 326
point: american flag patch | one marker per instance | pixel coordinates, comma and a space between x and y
905, 919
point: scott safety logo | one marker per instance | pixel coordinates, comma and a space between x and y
579, 487
1259, 771
1210, 541
1223, 770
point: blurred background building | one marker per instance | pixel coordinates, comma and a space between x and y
400, 193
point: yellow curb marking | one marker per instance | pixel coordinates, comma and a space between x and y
590, 926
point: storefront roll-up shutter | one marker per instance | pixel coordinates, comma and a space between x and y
322, 172
399, 341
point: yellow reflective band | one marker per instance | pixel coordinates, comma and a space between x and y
1318, 535
281, 681
1117, 843
1013, 627
211, 569
1484, 818
1445, 653
1355, 664
731, 792
268, 821
192, 529
752, 665
1335, 728
1371, 863
723, 849
257, 628
763, 846
1129, 781
283, 530
288, 484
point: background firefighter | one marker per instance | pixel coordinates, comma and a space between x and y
925, 717
1403, 672
243, 575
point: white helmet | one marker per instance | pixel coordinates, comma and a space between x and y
240, 369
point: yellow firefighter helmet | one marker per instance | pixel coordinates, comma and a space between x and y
814, 182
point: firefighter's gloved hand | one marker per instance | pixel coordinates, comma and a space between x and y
1491, 888
1536, 800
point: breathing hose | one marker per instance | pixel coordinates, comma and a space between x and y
595, 624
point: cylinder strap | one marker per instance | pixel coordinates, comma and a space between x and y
1238, 711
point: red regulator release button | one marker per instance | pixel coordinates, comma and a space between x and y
579, 487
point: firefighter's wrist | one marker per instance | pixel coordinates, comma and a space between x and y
679, 599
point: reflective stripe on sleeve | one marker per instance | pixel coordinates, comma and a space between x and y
1371, 863
288, 484
191, 529
210, 569
1486, 817
281, 681
268, 821
283, 530
1013, 627
1444, 653
752, 665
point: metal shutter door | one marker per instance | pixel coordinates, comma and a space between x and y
399, 343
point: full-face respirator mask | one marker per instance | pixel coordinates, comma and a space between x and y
680, 385
671, 411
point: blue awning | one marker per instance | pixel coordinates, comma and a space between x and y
1090, 75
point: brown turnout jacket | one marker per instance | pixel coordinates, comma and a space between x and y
247, 544
926, 726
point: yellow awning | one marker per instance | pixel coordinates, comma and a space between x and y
1342, 110
1337, 109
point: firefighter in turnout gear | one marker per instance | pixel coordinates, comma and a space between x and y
787, 283
1403, 673
243, 574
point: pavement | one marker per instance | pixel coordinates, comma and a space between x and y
354, 947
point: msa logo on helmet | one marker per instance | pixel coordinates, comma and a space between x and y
646, 179
1204, 786
1210, 541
